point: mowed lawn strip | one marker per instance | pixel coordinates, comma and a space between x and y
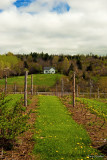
57, 135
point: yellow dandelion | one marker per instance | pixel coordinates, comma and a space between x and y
56, 151
81, 147
87, 157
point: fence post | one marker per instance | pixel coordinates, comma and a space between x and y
15, 88
77, 90
32, 84
25, 89
62, 87
56, 89
6, 84
90, 88
98, 93
74, 90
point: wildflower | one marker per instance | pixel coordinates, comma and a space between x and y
81, 147
87, 157
56, 151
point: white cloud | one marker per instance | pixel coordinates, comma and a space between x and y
81, 30
4, 4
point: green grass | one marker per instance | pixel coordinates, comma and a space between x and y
100, 108
57, 135
39, 79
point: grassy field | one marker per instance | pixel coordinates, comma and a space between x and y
57, 135
39, 79
96, 106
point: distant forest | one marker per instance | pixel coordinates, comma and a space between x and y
85, 66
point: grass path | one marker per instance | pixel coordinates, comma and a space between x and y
57, 135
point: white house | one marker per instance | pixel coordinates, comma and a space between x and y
49, 70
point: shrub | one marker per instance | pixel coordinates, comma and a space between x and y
13, 120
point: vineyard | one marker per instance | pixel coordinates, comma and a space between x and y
95, 106
51, 127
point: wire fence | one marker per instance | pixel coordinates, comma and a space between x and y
61, 88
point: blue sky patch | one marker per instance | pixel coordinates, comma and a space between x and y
61, 8
1, 10
22, 3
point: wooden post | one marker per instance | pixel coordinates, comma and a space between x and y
6, 84
25, 90
90, 87
32, 84
98, 93
77, 90
74, 90
15, 88
2, 152
56, 90
62, 87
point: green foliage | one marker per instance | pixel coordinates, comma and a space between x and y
57, 135
95, 106
8, 60
13, 119
9, 65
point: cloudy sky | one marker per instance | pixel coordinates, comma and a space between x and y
53, 26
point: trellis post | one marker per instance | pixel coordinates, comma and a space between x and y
32, 84
98, 93
15, 88
25, 89
6, 84
90, 87
62, 87
74, 90
77, 90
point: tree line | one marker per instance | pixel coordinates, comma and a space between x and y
85, 66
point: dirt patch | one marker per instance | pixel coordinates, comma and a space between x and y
23, 147
95, 126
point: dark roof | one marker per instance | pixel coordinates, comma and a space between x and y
48, 68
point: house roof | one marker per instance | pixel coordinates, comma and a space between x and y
48, 68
